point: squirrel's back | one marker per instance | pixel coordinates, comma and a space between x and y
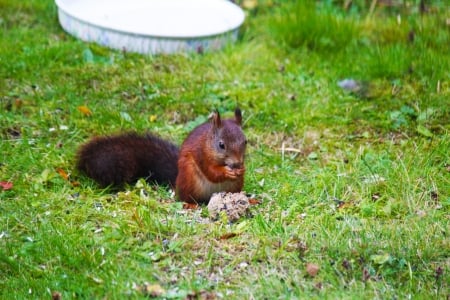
116, 160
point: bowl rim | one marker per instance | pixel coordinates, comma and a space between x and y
63, 6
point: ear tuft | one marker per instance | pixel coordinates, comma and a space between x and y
215, 120
238, 116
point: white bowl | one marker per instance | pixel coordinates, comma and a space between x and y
152, 26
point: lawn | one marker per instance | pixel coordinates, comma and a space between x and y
346, 107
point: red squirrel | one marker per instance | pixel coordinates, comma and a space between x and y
210, 160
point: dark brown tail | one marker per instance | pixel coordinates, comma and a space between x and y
117, 160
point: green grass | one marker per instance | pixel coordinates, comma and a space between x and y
361, 189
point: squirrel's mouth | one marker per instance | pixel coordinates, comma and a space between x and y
234, 165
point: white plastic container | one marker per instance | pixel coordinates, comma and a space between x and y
152, 26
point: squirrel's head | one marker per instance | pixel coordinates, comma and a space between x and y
229, 141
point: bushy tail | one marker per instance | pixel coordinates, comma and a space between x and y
117, 160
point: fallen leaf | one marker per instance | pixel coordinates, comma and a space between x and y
229, 235
312, 269
18, 103
6, 185
345, 205
62, 173
254, 201
190, 205
250, 4
85, 110
152, 290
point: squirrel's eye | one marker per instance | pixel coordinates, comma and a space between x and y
221, 145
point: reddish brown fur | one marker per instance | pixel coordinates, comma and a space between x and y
210, 160
204, 168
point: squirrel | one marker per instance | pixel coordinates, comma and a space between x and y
210, 160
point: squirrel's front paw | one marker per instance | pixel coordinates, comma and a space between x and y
234, 173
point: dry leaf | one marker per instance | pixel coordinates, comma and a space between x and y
229, 235
62, 173
254, 201
152, 290
6, 185
312, 269
85, 110
18, 103
190, 205
345, 205
250, 4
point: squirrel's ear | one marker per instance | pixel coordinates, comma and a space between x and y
215, 119
238, 116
